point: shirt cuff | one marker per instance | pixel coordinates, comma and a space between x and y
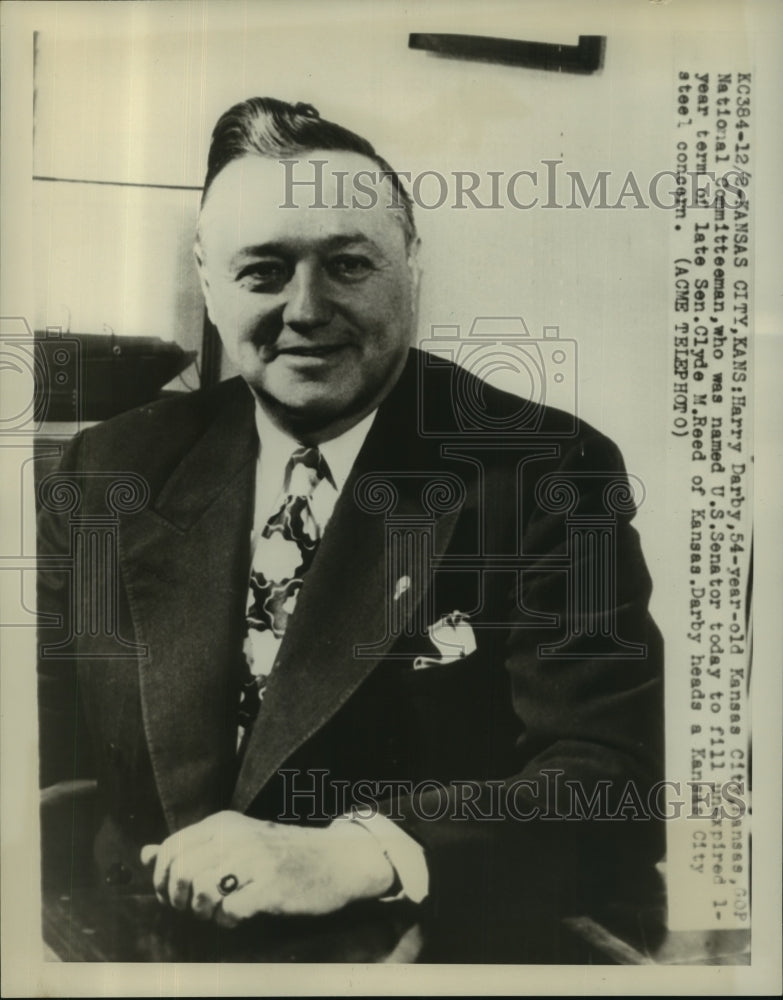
405, 855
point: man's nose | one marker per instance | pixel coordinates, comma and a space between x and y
308, 303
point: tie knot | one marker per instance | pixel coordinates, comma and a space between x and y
306, 468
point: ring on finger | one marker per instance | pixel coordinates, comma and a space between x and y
228, 884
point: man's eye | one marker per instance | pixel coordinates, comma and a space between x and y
350, 267
268, 275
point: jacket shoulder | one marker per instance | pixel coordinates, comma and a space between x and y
159, 433
454, 400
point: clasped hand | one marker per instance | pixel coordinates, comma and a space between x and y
278, 868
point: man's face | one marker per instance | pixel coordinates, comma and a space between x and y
314, 305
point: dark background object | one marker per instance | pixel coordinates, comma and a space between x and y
584, 57
92, 376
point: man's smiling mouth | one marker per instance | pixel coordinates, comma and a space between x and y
309, 350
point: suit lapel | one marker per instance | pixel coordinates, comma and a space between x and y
185, 563
346, 600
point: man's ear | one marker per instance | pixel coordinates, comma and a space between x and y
198, 253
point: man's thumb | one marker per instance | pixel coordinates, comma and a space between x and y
148, 853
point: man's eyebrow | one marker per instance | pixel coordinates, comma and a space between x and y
275, 248
350, 239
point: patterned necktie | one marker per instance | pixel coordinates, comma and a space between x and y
283, 555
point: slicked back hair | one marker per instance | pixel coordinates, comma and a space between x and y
265, 126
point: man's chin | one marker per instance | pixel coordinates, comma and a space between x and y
311, 413
320, 409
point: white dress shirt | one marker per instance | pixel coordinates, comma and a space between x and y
275, 449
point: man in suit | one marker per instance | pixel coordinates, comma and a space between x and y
352, 576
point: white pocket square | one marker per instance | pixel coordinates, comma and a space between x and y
453, 638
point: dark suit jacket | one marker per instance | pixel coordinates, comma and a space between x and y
566, 677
